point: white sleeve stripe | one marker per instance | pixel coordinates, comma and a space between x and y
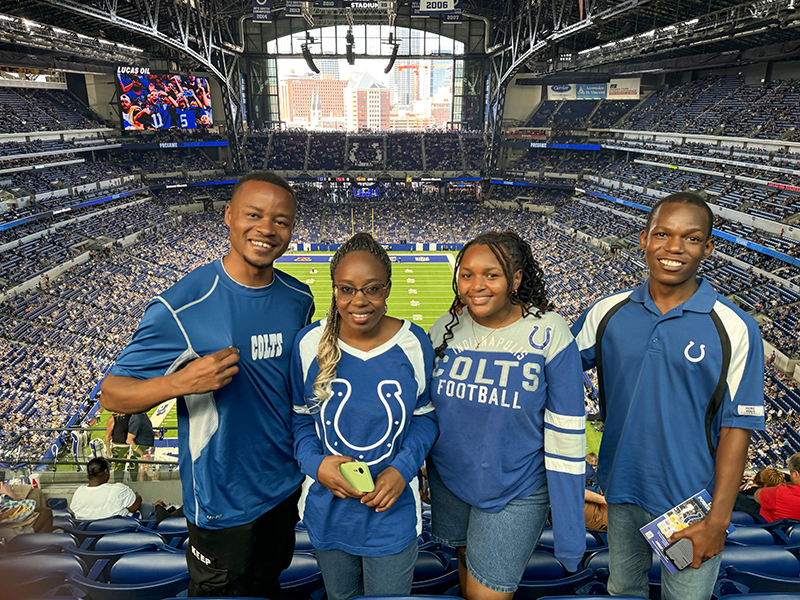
301, 410
564, 421
586, 336
568, 445
424, 410
564, 466
740, 345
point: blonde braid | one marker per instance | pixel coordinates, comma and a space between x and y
328, 355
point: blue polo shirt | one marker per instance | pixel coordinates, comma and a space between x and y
659, 375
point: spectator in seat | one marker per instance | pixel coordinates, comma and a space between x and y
100, 499
767, 477
22, 507
782, 501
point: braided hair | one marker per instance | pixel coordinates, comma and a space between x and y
328, 353
514, 254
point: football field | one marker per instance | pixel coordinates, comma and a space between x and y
421, 291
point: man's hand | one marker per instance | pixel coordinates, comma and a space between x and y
708, 540
6, 490
328, 475
389, 484
210, 372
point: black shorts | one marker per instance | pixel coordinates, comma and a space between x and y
246, 560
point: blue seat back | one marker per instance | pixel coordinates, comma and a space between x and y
547, 539
147, 567
770, 560
739, 517
302, 543
750, 536
172, 525
429, 566
29, 542
302, 569
119, 542
543, 566
15, 570
57, 503
113, 524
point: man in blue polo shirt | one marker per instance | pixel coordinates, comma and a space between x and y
219, 340
681, 382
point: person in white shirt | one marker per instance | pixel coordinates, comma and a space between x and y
100, 499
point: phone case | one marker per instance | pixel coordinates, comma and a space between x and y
681, 553
357, 474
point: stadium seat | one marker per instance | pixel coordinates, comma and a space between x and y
593, 541
38, 542
57, 504
139, 576
776, 596
302, 543
433, 573
545, 576
768, 560
753, 536
28, 575
174, 529
302, 578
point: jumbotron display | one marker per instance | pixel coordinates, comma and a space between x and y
164, 101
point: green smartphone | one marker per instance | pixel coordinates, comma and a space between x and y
357, 474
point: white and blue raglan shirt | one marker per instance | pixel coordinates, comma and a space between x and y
659, 373
381, 414
511, 418
235, 443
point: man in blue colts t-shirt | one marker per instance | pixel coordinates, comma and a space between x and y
219, 340
681, 384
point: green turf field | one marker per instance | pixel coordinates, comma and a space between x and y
421, 292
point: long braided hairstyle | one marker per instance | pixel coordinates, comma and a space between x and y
514, 254
328, 352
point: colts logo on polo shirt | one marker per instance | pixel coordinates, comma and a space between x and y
688, 354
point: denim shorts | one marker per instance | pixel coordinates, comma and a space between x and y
499, 545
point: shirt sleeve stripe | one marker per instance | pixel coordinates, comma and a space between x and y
737, 330
559, 465
424, 410
301, 410
564, 421
586, 336
568, 445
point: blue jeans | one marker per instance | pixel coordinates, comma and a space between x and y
631, 557
499, 545
347, 576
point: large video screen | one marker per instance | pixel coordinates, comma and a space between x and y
163, 101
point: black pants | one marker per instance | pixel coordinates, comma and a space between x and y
246, 560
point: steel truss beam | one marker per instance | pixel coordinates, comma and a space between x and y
204, 30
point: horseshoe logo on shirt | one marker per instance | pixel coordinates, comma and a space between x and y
692, 359
548, 332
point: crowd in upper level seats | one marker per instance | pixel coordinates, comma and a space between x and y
24, 110
375, 151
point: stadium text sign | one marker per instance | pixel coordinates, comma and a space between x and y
133, 70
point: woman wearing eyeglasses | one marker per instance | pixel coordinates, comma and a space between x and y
360, 390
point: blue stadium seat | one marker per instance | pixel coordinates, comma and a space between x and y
57, 503
433, 573
768, 560
139, 576
751, 536
37, 542
302, 578
302, 543
28, 575
545, 576
593, 541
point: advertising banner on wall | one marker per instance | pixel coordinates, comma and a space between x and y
623, 89
562, 91
591, 91
449, 11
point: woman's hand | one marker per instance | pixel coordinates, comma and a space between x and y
328, 475
389, 484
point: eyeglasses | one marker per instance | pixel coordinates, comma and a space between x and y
371, 292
